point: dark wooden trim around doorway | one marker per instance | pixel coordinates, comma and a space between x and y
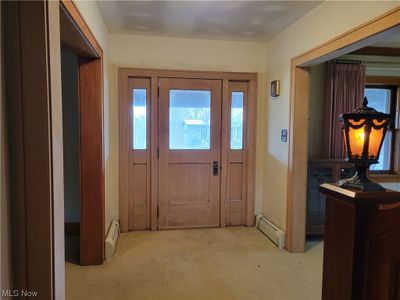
34, 112
76, 34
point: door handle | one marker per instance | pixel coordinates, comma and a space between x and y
215, 168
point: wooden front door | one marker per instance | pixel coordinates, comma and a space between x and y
189, 153
187, 148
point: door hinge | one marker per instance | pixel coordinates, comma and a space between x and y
158, 152
158, 91
158, 212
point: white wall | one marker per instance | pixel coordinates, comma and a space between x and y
127, 50
326, 21
93, 18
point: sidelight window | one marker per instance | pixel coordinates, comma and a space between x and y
139, 119
237, 120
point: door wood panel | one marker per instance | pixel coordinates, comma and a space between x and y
189, 191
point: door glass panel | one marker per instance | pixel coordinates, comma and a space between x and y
189, 119
237, 121
139, 119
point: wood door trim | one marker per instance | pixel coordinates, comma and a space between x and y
224, 216
125, 73
91, 131
380, 51
91, 134
383, 80
299, 100
123, 153
70, 7
185, 74
36, 161
154, 153
251, 141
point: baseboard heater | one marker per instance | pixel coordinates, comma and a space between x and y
112, 238
276, 235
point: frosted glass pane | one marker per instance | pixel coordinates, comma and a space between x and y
139, 119
189, 119
380, 100
237, 121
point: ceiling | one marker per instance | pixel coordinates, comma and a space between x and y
228, 20
392, 41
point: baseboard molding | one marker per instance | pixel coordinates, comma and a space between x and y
72, 229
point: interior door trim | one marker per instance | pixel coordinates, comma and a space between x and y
249, 152
76, 34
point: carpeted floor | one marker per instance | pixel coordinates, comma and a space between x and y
222, 263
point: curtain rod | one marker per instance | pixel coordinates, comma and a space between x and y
343, 61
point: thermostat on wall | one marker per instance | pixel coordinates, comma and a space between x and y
284, 135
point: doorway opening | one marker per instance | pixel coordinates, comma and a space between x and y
378, 65
186, 149
82, 108
70, 111
357, 38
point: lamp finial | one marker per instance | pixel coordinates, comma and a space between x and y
365, 102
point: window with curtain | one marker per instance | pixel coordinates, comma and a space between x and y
344, 92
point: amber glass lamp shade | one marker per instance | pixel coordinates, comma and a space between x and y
364, 131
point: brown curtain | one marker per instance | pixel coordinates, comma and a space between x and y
344, 92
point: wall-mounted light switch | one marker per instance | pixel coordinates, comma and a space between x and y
284, 135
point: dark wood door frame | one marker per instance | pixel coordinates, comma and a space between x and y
76, 35
34, 113
34, 122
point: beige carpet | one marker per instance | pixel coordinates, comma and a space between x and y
225, 263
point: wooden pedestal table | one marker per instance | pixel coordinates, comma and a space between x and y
362, 244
